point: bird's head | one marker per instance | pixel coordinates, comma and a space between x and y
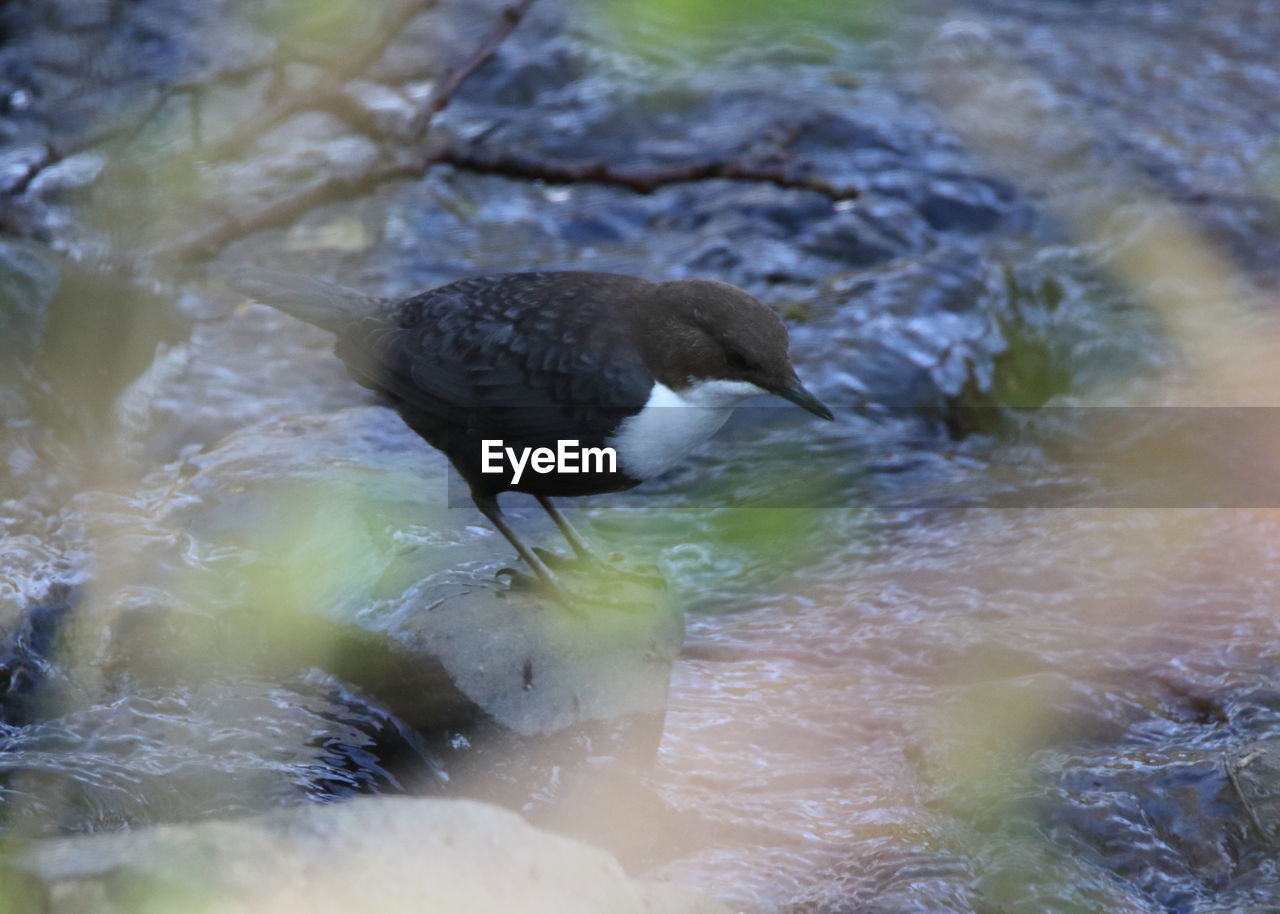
720, 338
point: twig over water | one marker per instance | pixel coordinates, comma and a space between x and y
643, 180
412, 158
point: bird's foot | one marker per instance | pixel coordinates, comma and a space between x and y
541, 584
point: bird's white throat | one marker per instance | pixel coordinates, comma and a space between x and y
673, 423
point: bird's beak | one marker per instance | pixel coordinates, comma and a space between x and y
801, 397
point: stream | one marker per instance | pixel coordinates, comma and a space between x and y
1001, 638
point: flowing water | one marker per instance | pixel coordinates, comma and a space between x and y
948, 653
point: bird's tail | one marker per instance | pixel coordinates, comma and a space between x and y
324, 304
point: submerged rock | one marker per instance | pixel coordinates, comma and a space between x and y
387, 855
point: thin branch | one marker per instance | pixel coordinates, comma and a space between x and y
641, 180
644, 180
209, 240
452, 81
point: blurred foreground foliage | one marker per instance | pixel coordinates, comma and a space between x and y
318, 27
674, 23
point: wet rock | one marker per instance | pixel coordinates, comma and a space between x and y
388, 855
317, 528
70, 174
219, 748
1162, 820
852, 239
951, 211
904, 336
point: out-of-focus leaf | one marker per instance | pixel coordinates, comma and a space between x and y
673, 23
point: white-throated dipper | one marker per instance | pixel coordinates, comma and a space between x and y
520, 364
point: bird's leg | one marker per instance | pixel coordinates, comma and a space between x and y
566, 528
488, 505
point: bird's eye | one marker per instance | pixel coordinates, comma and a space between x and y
736, 361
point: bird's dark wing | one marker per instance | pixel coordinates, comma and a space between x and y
531, 356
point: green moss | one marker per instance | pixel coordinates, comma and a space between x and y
1028, 373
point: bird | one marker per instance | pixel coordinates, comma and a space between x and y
638, 371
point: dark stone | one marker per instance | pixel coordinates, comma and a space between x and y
853, 239
948, 213
589, 228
